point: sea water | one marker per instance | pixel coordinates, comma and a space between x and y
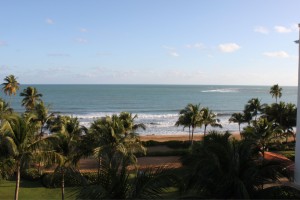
157, 106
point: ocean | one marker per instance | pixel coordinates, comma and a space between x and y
157, 106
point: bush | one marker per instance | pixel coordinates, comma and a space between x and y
151, 143
91, 177
178, 152
31, 174
46, 180
72, 178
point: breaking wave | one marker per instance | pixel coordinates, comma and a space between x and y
225, 90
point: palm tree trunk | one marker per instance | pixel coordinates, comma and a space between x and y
40, 137
99, 168
17, 181
205, 129
63, 185
189, 133
192, 141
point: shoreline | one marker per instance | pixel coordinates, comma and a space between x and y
180, 137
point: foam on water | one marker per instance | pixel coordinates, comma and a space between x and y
157, 124
224, 90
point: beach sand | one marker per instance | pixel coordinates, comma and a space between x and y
164, 138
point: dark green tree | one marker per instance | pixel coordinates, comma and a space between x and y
31, 98
220, 167
276, 91
237, 118
191, 117
209, 118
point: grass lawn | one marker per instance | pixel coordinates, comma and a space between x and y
32, 190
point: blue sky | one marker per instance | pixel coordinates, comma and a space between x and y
232, 42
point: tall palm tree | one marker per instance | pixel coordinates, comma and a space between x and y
209, 118
184, 120
237, 118
31, 97
42, 116
276, 91
113, 142
66, 143
19, 134
10, 86
192, 118
254, 107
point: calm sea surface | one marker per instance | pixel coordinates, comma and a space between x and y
157, 106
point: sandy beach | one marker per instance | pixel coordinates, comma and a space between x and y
164, 138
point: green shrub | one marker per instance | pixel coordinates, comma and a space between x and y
151, 143
46, 180
72, 178
178, 152
31, 174
91, 177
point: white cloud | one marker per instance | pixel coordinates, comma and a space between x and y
229, 47
81, 40
277, 54
282, 29
49, 21
261, 29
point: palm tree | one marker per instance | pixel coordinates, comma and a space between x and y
184, 120
237, 118
4, 109
219, 167
275, 91
115, 140
149, 183
283, 115
31, 97
6, 162
128, 122
209, 118
66, 143
42, 116
254, 107
262, 132
11, 85
19, 135
191, 118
